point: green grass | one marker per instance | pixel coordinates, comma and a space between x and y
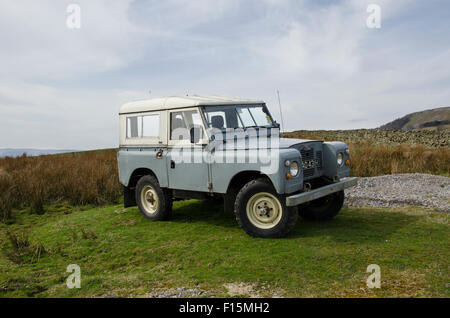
121, 253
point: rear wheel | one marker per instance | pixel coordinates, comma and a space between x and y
322, 209
261, 212
154, 202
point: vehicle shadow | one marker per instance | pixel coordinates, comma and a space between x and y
356, 225
351, 225
210, 212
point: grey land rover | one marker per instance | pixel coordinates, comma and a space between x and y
216, 147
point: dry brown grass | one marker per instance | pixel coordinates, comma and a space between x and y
78, 178
369, 160
377, 152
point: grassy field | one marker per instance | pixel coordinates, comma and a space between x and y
92, 177
65, 209
122, 254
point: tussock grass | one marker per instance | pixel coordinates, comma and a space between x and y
77, 178
369, 160
21, 250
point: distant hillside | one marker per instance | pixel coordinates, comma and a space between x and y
427, 119
425, 137
8, 152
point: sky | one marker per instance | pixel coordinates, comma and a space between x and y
61, 87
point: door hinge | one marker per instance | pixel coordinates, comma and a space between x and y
210, 186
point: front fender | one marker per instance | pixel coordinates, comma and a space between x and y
331, 169
271, 165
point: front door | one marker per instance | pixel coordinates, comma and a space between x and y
186, 164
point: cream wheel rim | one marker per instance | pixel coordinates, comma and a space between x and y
264, 210
149, 199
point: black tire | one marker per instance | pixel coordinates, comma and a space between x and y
164, 199
322, 209
280, 228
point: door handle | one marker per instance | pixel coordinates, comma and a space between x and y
172, 164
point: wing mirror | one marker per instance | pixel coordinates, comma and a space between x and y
195, 133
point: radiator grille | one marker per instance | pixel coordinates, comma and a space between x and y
319, 157
308, 172
309, 157
307, 154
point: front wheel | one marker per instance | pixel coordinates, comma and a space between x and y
154, 202
261, 212
322, 209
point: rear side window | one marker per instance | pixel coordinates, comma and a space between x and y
143, 126
181, 123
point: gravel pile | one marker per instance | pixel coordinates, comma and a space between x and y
401, 189
179, 292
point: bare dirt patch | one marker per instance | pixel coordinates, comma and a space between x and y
242, 289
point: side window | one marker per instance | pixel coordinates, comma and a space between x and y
182, 122
216, 119
150, 126
143, 126
222, 119
196, 121
134, 126
177, 126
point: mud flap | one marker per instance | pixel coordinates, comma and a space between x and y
129, 198
229, 200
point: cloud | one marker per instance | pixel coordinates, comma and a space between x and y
62, 88
38, 43
40, 116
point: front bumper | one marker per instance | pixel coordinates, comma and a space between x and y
303, 197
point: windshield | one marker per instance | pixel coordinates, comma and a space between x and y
245, 116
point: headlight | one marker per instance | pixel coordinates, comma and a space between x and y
293, 168
340, 159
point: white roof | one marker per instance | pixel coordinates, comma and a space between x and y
171, 102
